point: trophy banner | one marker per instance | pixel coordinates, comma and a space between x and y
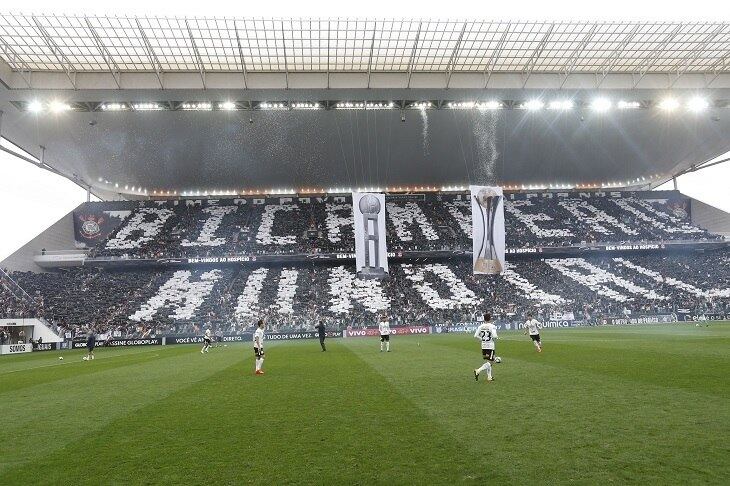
487, 216
371, 252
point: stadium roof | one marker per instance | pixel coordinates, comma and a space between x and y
79, 44
130, 105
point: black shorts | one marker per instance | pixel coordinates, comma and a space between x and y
488, 354
90, 347
206, 340
384, 337
535, 337
259, 353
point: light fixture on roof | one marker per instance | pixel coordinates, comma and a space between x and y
227, 105
533, 105
628, 105
601, 105
306, 105
113, 107
697, 104
272, 105
668, 104
379, 105
146, 106
35, 106
489, 105
561, 105
197, 106
59, 106
421, 105
460, 105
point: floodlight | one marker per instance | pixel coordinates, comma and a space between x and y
35, 106
534, 105
697, 104
561, 105
669, 104
601, 105
628, 105
59, 106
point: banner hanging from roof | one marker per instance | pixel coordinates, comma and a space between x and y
487, 215
371, 252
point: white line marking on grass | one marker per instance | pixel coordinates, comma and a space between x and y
63, 362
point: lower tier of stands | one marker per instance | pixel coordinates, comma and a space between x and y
231, 299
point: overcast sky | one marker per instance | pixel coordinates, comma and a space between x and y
32, 199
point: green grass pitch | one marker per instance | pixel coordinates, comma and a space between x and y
642, 405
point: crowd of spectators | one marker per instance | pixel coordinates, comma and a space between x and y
164, 301
423, 223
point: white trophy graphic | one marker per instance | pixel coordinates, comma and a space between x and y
370, 208
487, 260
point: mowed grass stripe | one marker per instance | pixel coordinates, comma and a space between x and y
30, 361
44, 417
52, 369
547, 423
663, 359
314, 418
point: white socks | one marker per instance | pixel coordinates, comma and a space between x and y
387, 345
486, 367
381, 345
259, 363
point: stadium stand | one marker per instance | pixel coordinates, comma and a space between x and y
419, 223
292, 297
434, 288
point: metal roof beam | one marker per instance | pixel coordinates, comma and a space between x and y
651, 59
151, 54
286, 63
198, 59
530, 65
372, 46
240, 56
615, 56
696, 52
413, 55
575, 55
13, 58
495, 55
68, 68
722, 63
108, 59
454, 56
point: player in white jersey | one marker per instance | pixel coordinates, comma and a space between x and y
207, 339
384, 328
486, 333
533, 326
258, 346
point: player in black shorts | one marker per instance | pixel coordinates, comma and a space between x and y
322, 334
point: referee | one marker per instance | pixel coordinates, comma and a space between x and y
320, 331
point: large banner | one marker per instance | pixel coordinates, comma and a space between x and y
487, 215
371, 251
93, 225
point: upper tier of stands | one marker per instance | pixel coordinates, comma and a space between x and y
430, 222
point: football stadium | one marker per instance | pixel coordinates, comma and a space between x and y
397, 250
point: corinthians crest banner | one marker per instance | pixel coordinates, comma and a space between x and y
93, 226
487, 216
371, 253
